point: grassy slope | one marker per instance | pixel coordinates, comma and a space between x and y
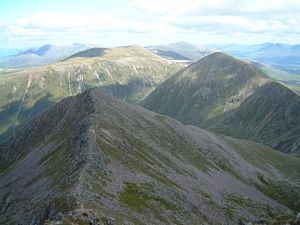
230, 96
129, 73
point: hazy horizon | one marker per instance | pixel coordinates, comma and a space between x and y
212, 45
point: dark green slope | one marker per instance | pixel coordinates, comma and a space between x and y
92, 52
93, 159
232, 97
270, 115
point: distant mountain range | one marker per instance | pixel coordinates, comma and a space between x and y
290, 80
282, 56
129, 73
232, 97
93, 159
280, 61
8, 51
40, 56
182, 51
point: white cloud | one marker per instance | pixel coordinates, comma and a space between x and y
218, 6
157, 21
99, 22
253, 21
54, 21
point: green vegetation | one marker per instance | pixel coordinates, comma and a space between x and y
92, 52
5, 167
281, 191
235, 203
142, 196
133, 163
278, 220
63, 203
136, 155
195, 157
139, 196
136, 196
239, 201
208, 199
267, 159
98, 183
264, 157
59, 160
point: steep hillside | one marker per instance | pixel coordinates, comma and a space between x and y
40, 56
232, 97
129, 73
92, 159
181, 51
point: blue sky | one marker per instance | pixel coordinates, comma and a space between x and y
121, 22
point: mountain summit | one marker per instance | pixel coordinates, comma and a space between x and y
230, 96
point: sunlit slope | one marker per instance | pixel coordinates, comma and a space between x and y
129, 73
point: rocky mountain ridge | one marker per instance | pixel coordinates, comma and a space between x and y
93, 159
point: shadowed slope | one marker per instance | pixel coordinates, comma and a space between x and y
230, 96
92, 52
